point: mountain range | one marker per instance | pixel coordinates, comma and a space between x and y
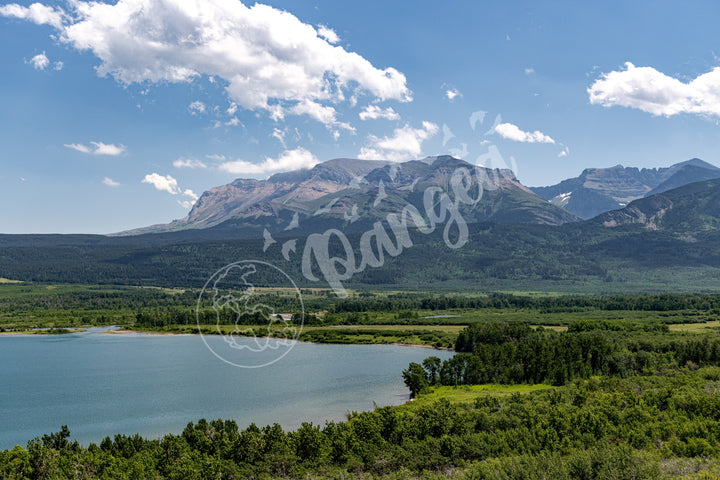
666, 239
350, 193
598, 190
342, 191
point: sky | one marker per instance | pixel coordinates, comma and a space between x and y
119, 115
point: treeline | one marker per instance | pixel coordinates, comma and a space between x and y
32, 297
159, 318
593, 429
510, 353
656, 303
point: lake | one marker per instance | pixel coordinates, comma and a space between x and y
101, 384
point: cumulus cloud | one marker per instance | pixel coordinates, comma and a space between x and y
188, 163
36, 13
267, 57
296, 159
321, 113
404, 144
110, 182
328, 34
512, 132
197, 107
107, 149
452, 93
651, 91
373, 112
39, 61
164, 183
98, 148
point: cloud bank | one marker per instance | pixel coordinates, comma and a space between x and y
268, 58
404, 144
651, 91
296, 159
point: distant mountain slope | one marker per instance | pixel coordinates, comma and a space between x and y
343, 192
599, 190
690, 210
666, 242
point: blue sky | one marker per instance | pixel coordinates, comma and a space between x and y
118, 115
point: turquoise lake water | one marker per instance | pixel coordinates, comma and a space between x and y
100, 384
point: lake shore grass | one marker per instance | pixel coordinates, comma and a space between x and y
469, 393
429, 336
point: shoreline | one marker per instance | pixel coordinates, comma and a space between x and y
162, 334
54, 331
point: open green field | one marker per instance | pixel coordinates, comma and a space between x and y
706, 327
469, 393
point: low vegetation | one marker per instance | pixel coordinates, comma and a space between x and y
619, 387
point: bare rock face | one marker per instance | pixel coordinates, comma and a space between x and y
599, 190
348, 188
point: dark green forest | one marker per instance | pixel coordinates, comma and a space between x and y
581, 257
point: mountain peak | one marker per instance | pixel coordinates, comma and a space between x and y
330, 191
598, 190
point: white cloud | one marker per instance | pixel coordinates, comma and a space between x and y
36, 13
452, 93
39, 61
267, 57
512, 132
164, 183
58, 66
197, 107
79, 147
328, 34
564, 152
232, 108
529, 71
406, 143
372, 112
110, 182
296, 159
321, 113
108, 149
100, 148
649, 90
188, 163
